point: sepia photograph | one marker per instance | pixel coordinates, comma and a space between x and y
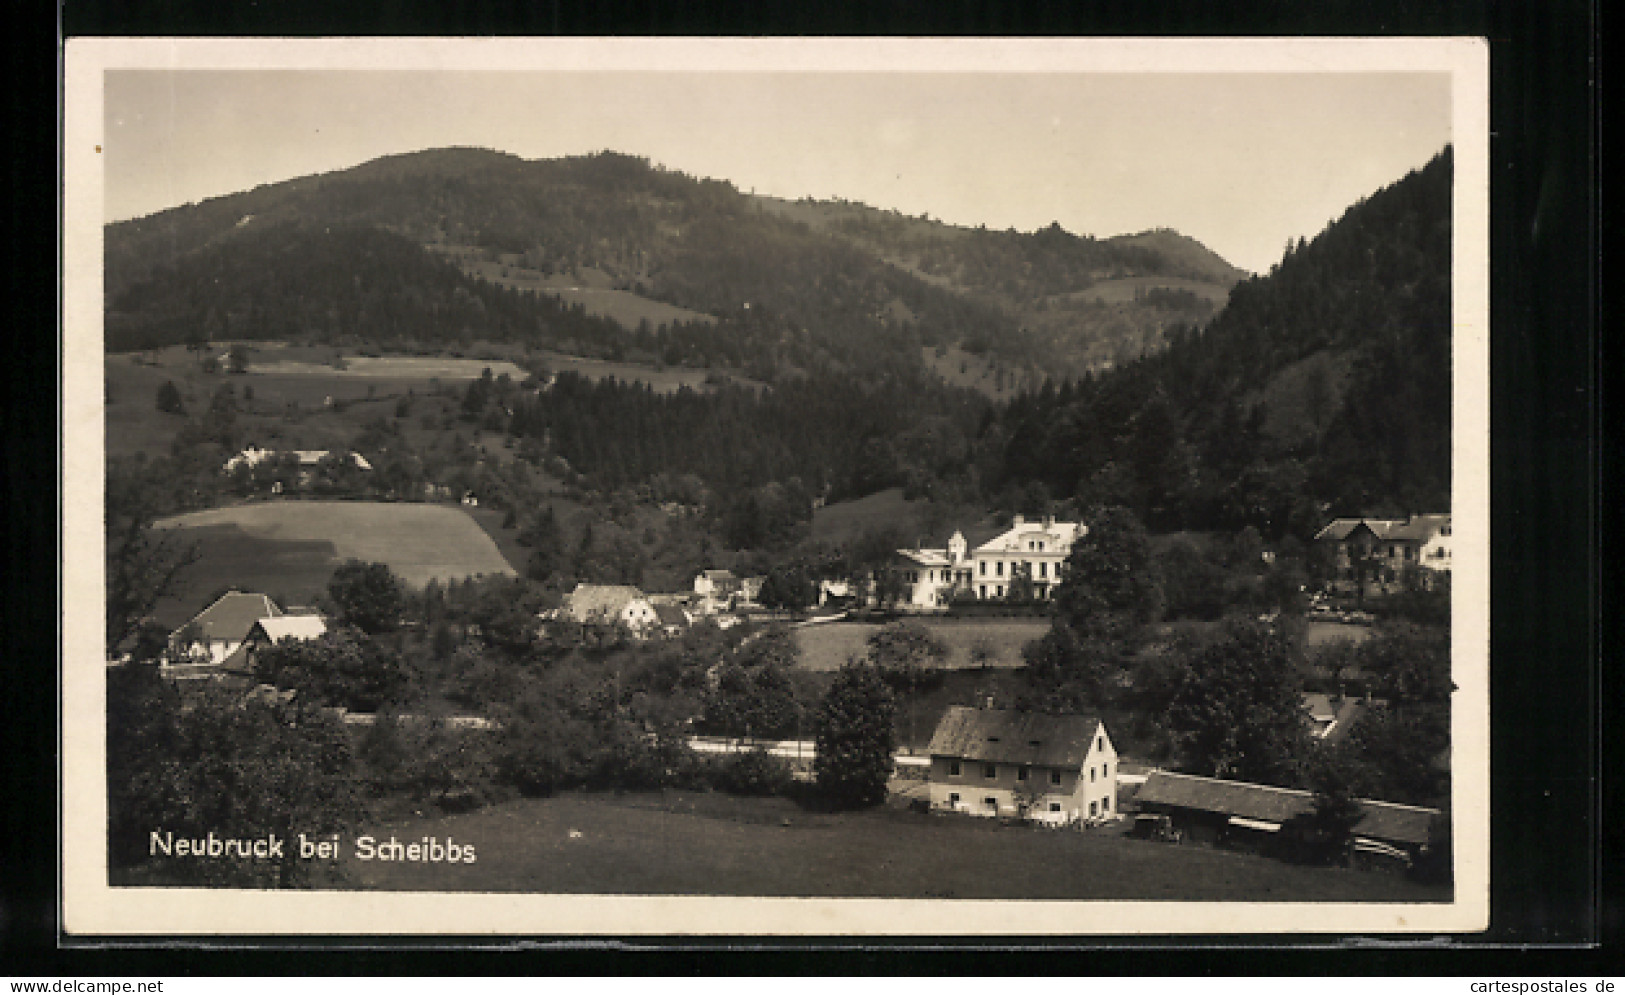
775, 487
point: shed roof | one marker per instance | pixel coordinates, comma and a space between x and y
1383, 820
1007, 736
669, 614
231, 617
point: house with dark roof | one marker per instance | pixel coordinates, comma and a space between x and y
673, 619
1380, 552
1214, 810
216, 632
1331, 717
1001, 762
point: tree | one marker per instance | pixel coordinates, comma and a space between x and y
1110, 588
1236, 710
144, 564
787, 587
855, 738
169, 399
231, 766
342, 668
1325, 834
1067, 673
367, 596
909, 660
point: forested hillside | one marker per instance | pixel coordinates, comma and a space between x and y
796, 288
1323, 388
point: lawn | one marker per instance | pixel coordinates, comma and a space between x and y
706, 844
825, 647
286, 547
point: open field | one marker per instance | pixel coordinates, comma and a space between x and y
709, 844
1123, 289
414, 369
662, 379
1319, 633
284, 547
591, 289
825, 647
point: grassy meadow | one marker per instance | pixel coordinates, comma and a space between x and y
679, 843
825, 647
288, 549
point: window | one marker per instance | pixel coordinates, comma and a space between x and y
1043, 570
990, 770
953, 768
1021, 774
982, 590
1093, 809
1054, 806
998, 568
1040, 547
1106, 804
953, 799
1105, 770
1055, 777
1091, 774
991, 802
999, 591
983, 566
1100, 742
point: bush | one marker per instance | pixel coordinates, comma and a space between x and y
756, 773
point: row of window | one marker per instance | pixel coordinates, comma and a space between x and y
1100, 807
998, 568
992, 771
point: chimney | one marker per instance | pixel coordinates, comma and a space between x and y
1018, 520
1049, 521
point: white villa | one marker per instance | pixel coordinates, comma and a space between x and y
1033, 552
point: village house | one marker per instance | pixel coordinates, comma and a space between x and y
611, 603
717, 590
1026, 560
1056, 769
303, 462
198, 648
1211, 810
1386, 552
269, 632
673, 619
1331, 717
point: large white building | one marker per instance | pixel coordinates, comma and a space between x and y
1028, 552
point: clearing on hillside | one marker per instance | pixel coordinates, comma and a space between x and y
289, 540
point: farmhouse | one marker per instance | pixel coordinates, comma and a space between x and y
215, 633
1212, 810
269, 632
1381, 552
1050, 768
673, 619
611, 603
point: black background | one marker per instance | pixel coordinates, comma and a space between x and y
1550, 902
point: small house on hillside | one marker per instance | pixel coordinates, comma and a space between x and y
673, 619
1051, 768
717, 590
1212, 810
1330, 717
607, 603
269, 632
216, 632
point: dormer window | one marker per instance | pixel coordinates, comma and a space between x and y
1033, 743
993, 739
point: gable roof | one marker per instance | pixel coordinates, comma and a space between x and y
1420, 528
292, 626
231, 617
926, 557
1007, 736
588, 600
1267, 803
1417, 528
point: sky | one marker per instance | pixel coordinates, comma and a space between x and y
1241, 161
